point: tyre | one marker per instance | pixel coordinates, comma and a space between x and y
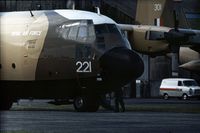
166, 96
79, 104
184, 96
86, 104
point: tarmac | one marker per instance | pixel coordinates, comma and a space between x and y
29, 120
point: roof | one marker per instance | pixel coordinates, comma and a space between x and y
25, 16
78, 14
173, 79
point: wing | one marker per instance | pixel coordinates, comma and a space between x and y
138, 36
158, 39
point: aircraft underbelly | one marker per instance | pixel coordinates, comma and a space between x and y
40, 89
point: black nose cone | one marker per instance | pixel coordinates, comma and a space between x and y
121, 65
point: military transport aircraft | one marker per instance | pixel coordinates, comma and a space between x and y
158, 39
77, 54
63, 53
154, 40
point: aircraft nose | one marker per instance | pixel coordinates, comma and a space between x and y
121, 65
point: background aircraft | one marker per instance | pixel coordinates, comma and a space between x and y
160, 40
81, 54
63, 53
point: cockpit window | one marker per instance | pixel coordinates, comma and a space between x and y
100, 29
73, 33
106, 28
77, 30
82, 32
113, 29
108, 36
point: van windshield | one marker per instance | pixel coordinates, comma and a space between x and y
190, 83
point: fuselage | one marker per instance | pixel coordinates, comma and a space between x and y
61, 53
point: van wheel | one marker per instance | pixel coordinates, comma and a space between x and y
184, 96
166, 96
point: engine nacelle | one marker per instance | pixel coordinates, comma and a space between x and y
143, 39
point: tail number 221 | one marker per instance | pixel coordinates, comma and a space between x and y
84, 67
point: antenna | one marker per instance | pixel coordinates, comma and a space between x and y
71, 4
176, 21
98, 10
176, 13
31, 9
31, 13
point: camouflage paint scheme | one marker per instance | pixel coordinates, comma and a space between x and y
155, 16
41, 59
37, 57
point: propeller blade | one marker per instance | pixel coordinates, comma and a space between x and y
176, 21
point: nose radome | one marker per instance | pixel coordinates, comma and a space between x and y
121, 65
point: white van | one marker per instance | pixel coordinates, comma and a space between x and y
179, 87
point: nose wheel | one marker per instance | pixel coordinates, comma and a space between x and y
86, 103
78, 103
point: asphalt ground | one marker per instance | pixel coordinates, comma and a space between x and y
151, 105
39, 117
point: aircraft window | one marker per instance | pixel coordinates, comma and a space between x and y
82, 33
73, 33
100, 29
113, 29
106, 28
83, 23
108, 36
91, 31
65, 33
